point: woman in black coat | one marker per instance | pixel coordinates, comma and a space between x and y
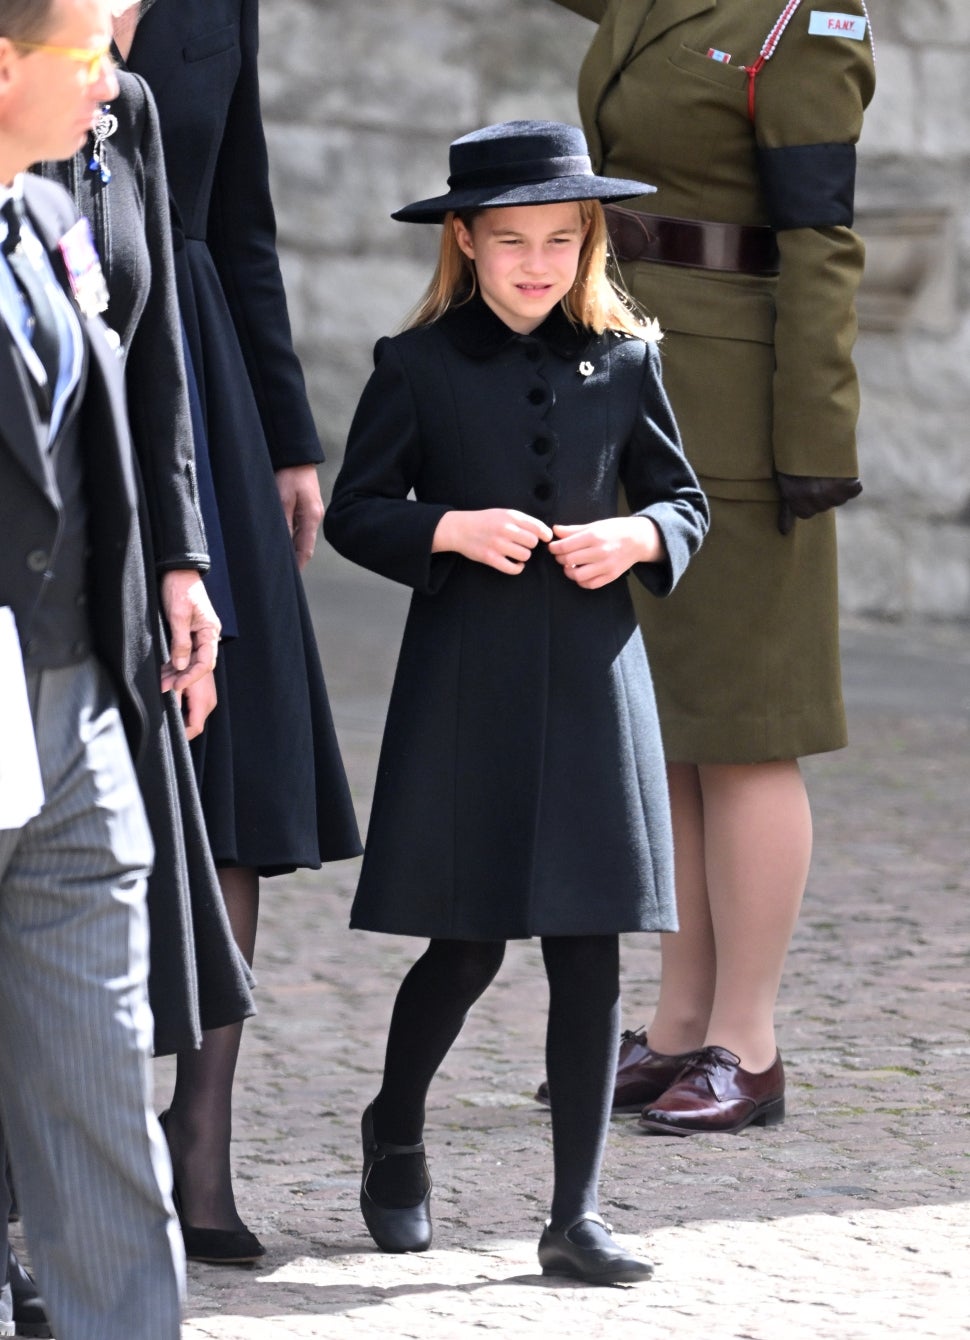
520, 788
272, 783
198, 978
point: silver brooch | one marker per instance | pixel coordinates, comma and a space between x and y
585, 368
104, 128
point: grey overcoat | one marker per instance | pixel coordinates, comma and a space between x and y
520, 788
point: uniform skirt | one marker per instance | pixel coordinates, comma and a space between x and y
745, 651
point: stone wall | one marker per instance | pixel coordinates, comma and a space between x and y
361, 98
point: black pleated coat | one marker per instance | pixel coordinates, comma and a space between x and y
198, 978
272, 782
521, 787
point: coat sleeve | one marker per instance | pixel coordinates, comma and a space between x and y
810, 99
158, 403
660, 484
371, 520
242, 238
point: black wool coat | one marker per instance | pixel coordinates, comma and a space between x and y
272, 782
198, 978
521, 787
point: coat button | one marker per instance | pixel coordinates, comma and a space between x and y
541, 446
38, 560
537, 396
542, 491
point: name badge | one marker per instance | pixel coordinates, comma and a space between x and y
823, 24
84, 269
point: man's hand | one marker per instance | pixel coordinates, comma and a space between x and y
299, 490
596, 554
193, 628
499, 537
805, 496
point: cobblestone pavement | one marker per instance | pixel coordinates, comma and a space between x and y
851, 1220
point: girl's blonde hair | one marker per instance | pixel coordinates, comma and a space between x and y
594, 301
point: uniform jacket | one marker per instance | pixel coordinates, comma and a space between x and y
30, 510
520, 789
656, 106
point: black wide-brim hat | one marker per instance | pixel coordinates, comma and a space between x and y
519, 163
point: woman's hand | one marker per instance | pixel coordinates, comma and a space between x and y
804, 496
596, 554
299, 490
196, 702
193, 629
499, 537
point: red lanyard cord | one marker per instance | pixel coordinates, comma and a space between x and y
768, 50
771, 42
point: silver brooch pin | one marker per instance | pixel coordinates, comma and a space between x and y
104, 128
585, 368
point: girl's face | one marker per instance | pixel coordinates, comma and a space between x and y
526, 258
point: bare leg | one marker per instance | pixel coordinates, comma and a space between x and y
743, 842
688, 963
199, 1124
758, 844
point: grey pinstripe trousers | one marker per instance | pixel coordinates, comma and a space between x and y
90, 1163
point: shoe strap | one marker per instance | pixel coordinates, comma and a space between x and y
591, 1216
381, 1149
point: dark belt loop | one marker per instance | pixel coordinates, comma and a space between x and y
730, 247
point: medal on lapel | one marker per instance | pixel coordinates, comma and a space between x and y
84, 269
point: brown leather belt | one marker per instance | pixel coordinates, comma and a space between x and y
741, 248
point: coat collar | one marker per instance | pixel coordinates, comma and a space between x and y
626, 30
655, 18
475, 330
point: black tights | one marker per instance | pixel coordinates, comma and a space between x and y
581, 1042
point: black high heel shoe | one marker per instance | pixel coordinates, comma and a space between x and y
394, 1228
584, 1250
214, 1246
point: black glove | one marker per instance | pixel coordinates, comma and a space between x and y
805, 496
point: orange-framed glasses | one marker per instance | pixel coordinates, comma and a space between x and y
92, 58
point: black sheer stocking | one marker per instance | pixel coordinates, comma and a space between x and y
199, 1123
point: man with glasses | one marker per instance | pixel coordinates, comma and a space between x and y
93, 1177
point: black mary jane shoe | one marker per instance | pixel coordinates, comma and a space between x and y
585, 1250
214, 1246
394, 1228
29, 1315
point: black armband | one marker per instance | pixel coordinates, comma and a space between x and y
808, 185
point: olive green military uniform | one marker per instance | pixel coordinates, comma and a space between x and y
758, 367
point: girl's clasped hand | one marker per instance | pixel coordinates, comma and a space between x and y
591, 555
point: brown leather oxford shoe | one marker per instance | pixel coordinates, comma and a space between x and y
642, 1074
715, 1094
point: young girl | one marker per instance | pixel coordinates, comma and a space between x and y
520, 789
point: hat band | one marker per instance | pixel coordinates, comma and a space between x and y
532, 170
